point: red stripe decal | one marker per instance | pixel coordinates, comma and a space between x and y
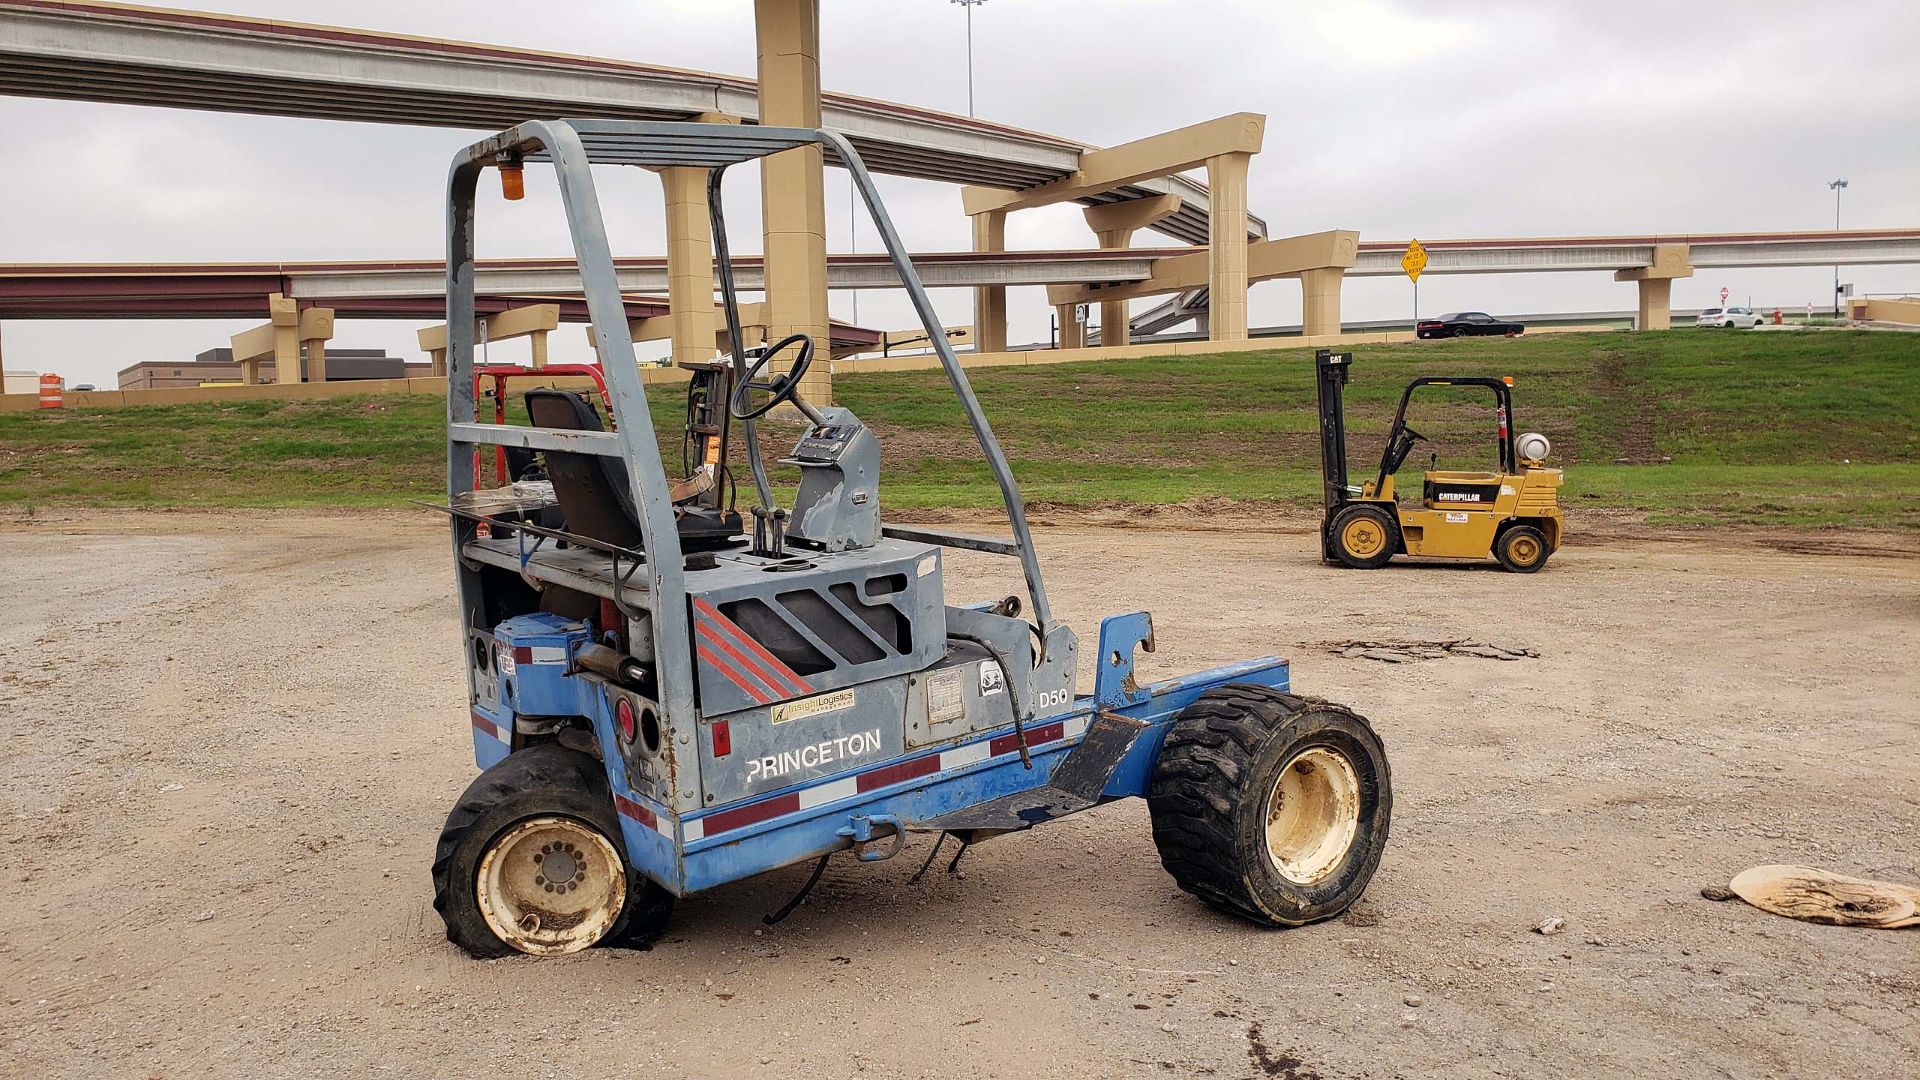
738, 645
635, 811
483, 724
746, 666
714, 661
739, 816
898, 771
1045, 733
795, 684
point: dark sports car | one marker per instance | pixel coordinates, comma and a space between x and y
1466, 324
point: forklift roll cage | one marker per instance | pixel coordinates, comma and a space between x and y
572, 146
1332, 370
1400, 441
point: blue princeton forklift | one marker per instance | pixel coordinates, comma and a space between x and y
668, 695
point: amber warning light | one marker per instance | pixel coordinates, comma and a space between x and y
513, 181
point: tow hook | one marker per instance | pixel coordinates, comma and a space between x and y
860, 830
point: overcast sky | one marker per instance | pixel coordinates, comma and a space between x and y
1436, 120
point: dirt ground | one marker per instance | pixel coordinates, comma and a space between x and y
229, 742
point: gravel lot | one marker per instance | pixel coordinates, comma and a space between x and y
228, 741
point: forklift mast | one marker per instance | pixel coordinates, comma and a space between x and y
1331, 369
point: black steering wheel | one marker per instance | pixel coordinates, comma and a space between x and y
783, 387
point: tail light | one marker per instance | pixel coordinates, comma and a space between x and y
624, 719
722, 739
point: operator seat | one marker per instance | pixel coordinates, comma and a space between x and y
595, 496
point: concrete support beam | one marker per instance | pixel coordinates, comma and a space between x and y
990, 302
1227, 246
1655, 310
793, 192
1133, 214
1320, 300
1265, 260
278, 340
1115, 224
534, 321
689, 264
753, 330
1144, 159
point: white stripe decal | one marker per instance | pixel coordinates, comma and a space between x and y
843, 788
1072, 726
965, 755
549, 654
695, 829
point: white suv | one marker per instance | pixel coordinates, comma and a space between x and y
1729, 317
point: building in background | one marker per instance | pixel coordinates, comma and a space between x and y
217, 366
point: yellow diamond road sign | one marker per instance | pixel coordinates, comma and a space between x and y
1414, 261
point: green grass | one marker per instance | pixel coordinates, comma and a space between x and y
1764, 428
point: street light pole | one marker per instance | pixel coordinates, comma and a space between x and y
1836, 187
969, 5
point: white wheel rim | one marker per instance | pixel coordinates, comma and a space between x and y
551, 885
1313, 814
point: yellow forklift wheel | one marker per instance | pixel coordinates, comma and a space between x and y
1522, 549
1365, 536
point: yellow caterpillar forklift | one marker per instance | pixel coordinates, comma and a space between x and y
1512, 515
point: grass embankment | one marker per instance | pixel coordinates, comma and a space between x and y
1686, 426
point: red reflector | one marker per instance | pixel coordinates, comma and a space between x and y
623, 717
523, 654
722, 739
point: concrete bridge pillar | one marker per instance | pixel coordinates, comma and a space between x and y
1655, 310
1320, 300
1227, 246
689, 264
793, 193
1065, 316
990, 302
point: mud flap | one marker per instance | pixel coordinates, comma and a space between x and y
1075, 785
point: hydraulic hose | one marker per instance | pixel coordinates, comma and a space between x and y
1013, 691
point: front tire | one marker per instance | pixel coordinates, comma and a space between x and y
531, 860
1364, 536
1270, 806
1522, 549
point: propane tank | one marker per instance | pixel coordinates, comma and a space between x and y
1532, 447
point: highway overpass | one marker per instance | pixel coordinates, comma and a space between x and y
231, 63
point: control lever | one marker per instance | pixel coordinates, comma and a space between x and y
770, 532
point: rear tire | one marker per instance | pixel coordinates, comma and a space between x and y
1364, 536
1522, 549
540, 807
1270, 806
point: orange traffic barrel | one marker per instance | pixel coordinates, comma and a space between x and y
52, 389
